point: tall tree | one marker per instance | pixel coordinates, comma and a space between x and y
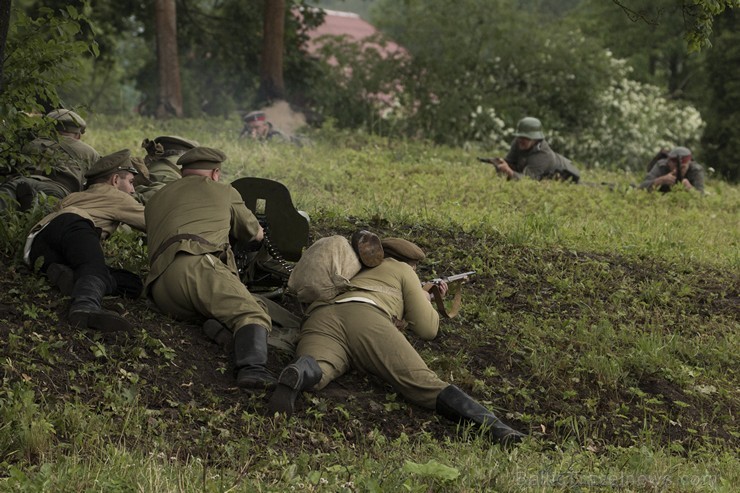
272, 85
170, 93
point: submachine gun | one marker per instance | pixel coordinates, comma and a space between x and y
454, 283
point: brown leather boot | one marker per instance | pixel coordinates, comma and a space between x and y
368, 247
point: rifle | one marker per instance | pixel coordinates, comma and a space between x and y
679, 175
454, 277
490, 160
455, 281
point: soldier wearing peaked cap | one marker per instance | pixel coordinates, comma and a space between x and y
667, 172
530, 155
161, 158
67, 242
193, 273
361, 329
59, 163
256, 126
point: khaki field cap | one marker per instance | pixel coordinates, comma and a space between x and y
118, 161
530, 128
255, 116
175, 143
403, 250
68, 120
202, 158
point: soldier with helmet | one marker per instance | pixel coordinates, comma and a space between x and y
59, 164
193, 272
530, 155
667, 172
363, 329
67, 242
161, 158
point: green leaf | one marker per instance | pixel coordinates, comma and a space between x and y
432, 469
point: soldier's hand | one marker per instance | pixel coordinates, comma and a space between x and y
503, 167
668, 179
687, 184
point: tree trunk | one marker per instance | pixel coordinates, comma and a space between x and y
169, 102
4, 26
272, 85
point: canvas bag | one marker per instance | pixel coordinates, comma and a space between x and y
324, 270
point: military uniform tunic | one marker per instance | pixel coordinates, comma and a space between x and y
356, 330
695, 175
59, 167
193, 272
71, 234
540, 162
161, 172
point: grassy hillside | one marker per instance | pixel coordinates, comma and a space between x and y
603, 321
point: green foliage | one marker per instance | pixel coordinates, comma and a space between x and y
42, 55
721, 142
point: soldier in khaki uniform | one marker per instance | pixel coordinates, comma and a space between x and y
193, 273
59, 165
530, 155
360, 329
68, 241
161, 158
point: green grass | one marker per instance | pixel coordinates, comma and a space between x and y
602, 320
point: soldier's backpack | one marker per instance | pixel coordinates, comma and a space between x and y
324, 270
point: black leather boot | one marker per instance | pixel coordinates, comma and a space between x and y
456, 405
86, 310
61, 276
301, 374
250, 358
216, 332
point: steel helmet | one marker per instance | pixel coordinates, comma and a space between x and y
530, 128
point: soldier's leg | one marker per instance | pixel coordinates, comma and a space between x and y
379, 348
323, 338
321, 358
203, 285
8, 194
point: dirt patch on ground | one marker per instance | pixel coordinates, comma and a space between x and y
186, 381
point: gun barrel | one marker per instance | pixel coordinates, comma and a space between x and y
454, 277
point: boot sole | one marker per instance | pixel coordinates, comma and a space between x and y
99, 321
369, 249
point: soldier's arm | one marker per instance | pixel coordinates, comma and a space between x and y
244, 224
418, 310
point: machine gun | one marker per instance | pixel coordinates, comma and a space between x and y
286, 235
454, 283
490, 160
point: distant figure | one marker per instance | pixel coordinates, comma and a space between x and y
666, 172
59, 164
68, 241
257, 127
530, 155
161, 158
